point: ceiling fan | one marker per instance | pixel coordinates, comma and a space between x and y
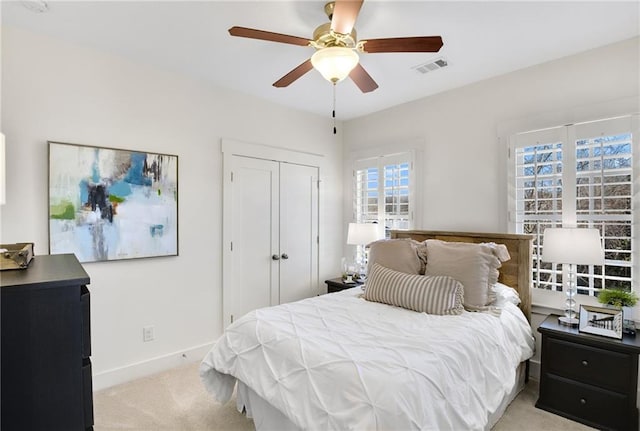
336, 44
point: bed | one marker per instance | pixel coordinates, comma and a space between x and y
349, 361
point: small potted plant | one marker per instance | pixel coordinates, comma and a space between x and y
617, 298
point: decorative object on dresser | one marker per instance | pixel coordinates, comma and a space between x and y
111, 204
572, 246
46, 346
361, 234
588, 378
16, 256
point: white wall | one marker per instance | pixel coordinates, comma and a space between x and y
464, 163
56, 91
464, 166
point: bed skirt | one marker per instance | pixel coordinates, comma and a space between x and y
268, 418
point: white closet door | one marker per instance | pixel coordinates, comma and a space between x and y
251, 273
298, 232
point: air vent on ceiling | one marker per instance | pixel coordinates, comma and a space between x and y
435, 64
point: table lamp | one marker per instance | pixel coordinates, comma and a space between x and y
363, 234
572, 246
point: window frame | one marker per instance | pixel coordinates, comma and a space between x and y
380, 163
569, 134
414, 147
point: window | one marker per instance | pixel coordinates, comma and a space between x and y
577, 175
383, 191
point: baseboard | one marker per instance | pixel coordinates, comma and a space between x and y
151, 366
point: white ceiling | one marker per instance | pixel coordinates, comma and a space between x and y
481, 39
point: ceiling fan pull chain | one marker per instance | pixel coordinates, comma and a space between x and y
334, 108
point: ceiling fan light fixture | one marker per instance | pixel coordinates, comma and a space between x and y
335, 62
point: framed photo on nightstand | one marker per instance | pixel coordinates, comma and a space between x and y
601, 321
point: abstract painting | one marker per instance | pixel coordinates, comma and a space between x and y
111, 204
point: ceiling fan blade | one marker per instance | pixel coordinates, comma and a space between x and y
294, 74
267, 35
362, 79
403, 44
345, 13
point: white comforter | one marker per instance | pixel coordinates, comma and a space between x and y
339, 362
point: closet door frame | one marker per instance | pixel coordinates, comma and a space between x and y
231, 148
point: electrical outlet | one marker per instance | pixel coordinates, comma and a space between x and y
147, 333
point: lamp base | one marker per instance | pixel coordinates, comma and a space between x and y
568, 321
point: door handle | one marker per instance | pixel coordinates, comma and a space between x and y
275, 257
285, 256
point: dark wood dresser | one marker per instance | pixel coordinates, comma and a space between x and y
46, 346
589, 378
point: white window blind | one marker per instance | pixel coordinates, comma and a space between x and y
383, 191
539, 196
604, 183
577, 175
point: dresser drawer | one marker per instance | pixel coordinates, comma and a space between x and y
87, 394
85, 303
595, 406
591, 365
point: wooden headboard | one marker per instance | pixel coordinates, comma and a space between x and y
515, 272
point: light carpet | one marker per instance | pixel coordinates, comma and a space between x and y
176, 400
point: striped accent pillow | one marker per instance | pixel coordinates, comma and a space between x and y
438, 294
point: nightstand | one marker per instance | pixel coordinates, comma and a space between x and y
336, 285
589, 378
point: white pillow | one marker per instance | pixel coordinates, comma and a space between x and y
402, 254
473, 265
505, 294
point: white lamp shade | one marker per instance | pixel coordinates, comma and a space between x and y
334, 63
572, 245
363, 233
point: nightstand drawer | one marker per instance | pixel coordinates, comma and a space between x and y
592, 405
591, 365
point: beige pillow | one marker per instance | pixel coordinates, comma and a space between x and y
473, 265
397, 254
433, 295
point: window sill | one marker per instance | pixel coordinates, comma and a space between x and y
546, 301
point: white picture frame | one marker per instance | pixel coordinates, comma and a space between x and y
607, 322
